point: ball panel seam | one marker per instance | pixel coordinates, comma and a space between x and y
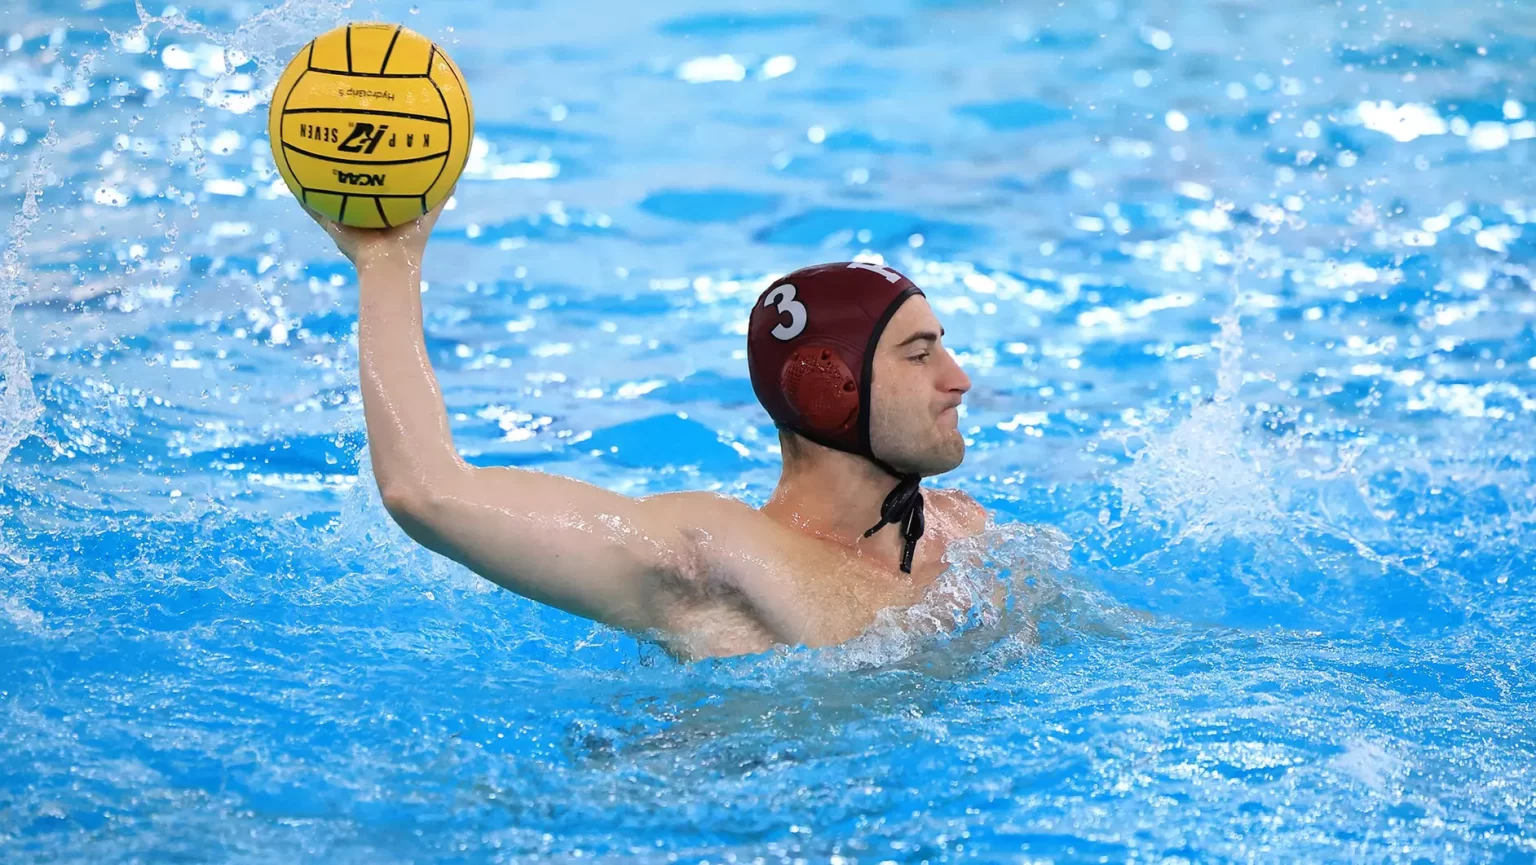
371, 112
322, 158
430, 61
390, 50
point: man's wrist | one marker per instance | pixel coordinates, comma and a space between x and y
383, 257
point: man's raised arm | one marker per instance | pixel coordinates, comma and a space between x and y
558, 541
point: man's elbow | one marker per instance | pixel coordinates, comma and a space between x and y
417, 495
418, 511
409, 504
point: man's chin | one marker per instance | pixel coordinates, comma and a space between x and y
943, 462
944, 455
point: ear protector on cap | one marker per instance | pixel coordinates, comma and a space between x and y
821, 389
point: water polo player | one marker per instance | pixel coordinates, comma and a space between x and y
848, 360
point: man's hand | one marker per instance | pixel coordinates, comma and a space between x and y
403, 244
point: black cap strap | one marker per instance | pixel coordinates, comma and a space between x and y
904, 505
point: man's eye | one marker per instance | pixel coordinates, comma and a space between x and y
920, 357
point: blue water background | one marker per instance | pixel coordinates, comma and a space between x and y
1244, 289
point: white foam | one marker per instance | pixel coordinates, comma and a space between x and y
1370, 764
23, 617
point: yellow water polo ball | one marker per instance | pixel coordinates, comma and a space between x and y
371, 125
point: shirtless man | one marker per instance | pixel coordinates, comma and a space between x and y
849, 362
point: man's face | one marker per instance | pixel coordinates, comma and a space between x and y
915, 394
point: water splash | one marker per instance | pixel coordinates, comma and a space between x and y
1209, 474
265, 38
19, 407
1008, 587
1224, 475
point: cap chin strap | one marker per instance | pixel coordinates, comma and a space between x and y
904, 505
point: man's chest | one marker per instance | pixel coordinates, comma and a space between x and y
790, 587
826, 594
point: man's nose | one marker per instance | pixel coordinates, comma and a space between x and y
956, 379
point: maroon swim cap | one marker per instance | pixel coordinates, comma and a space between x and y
811, 346
811, 352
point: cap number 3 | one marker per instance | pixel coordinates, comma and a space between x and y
783, 299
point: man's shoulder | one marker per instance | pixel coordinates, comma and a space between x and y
709, 507
714, 519
720, 512
732, 537
969, 516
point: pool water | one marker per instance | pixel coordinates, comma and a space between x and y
1244, 289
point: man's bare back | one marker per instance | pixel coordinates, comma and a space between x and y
703, 574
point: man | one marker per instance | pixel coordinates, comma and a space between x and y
848, 360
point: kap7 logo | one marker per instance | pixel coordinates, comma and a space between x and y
363, 138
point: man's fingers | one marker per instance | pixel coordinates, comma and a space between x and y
312, 214
322, 220
429, 219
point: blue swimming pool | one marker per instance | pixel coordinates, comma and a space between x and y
1244, 289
